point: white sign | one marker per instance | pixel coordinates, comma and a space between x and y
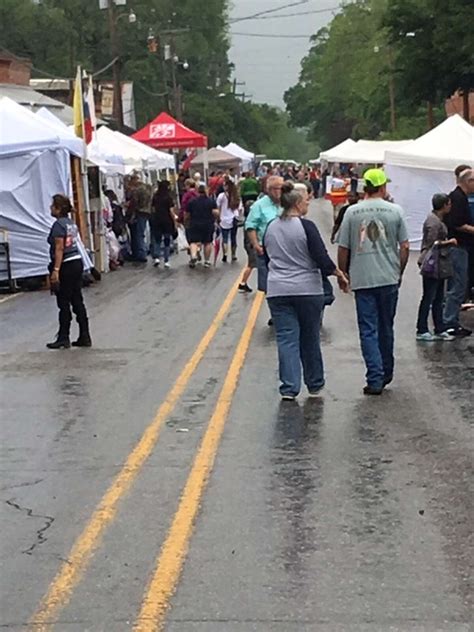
163, 130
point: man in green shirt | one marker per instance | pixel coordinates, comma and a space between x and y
263, 211
249, 188
374, 238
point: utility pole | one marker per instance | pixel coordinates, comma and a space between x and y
176, 96
115, 49
391, 89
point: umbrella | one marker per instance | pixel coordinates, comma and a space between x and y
217, 243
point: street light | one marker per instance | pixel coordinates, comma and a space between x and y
115, 49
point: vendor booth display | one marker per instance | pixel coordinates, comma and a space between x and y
166, 132
216, 159
368, 152
334, 153
425, 167
245, 156
35, 164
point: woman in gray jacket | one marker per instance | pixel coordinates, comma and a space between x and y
297, 261
435, 234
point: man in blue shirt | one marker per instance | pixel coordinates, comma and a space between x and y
265, 210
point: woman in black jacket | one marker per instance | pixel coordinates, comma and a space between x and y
162, 223
66, 269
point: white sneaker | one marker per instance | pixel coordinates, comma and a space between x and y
288, 398
156, 263
167, 264
313, 394
426, 337
444, 336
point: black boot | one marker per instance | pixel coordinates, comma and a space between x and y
84, 339
59, 343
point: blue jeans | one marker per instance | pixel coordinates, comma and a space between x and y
262, 273
137, 237
232, 233
156, 240
433, 296
297, 321
457, 286
376, 309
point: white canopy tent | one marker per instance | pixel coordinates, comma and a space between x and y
72, 143
153, 158
426, 166
107, 151
216, 158
116, 153
372, 152
245, 156
34, 165
363, 151
334, 154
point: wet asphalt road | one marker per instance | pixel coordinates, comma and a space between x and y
343, 513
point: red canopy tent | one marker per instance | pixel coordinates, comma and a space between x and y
167, 132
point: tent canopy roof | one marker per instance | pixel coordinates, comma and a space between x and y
362, 151
117, 153
166, 132
216, 156
443, 148
21, 132
237, 150
69, 140
155, 159
333, 154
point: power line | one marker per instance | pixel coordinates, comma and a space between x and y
267, 11
273, 35
292, 15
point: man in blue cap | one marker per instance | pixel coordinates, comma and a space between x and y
374, 250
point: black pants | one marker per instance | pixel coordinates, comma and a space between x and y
433, 297
69, 295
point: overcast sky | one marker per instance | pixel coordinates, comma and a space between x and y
269, 66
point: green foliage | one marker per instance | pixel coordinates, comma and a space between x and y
59, 34
422, 48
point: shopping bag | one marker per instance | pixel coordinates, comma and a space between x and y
182, 241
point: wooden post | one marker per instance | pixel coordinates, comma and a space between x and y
465, 104
431, 122
79, 200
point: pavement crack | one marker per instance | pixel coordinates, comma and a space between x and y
26, 484
40, 533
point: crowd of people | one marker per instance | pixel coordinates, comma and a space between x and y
293, 264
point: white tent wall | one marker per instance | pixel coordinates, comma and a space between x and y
27, 184
413, 190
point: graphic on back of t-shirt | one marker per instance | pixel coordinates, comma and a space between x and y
371, 233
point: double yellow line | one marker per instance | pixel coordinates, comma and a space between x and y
170, 561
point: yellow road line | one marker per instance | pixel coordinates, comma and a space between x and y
172, 555
70, 573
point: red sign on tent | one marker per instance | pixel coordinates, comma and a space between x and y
167, 132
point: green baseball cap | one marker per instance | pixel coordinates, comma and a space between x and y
376, 177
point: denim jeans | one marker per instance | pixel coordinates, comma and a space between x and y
232, 233
433, 297
376, 309
137, 235
262, 273
297, 322
457, 286
156, 240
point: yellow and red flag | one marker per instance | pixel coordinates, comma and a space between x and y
82, 115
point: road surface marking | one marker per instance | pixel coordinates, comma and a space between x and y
70, 573
4, 299
172, 555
